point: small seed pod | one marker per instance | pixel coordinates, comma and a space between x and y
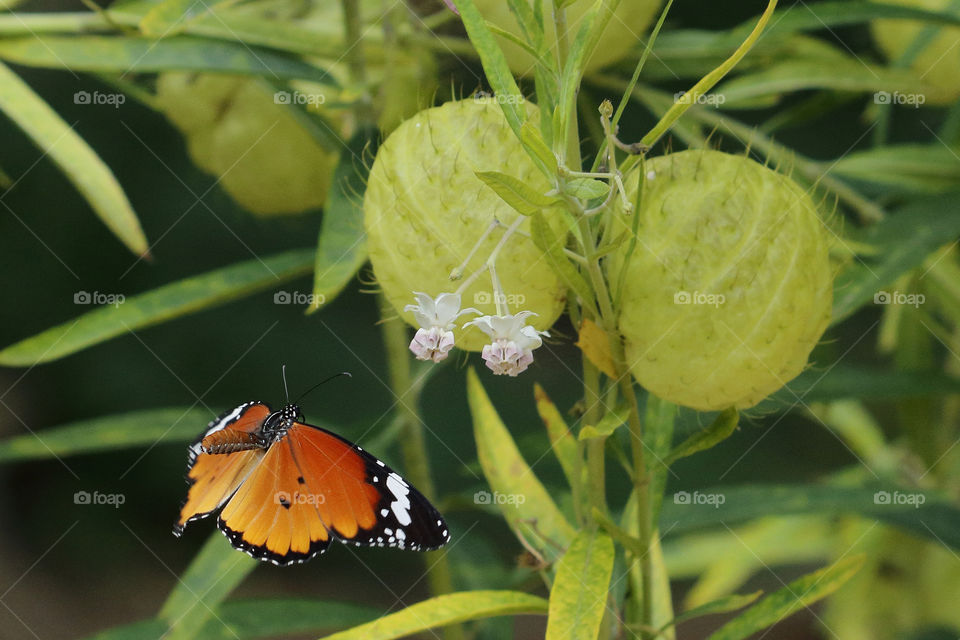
425, 209
729, 286
624, 30
937, 63
240, 130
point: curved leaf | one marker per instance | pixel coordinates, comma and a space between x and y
527, 506
797, 595
137, 428
561, 438
924, 514
131, 54
924, 168
578, 597
165, 303
216, 571
82, 166
342, 246
445, 610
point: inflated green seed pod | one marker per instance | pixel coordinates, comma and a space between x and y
237, 130
729, 286
425, 209
625, 32
938, 63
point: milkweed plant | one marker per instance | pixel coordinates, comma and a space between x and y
614, 184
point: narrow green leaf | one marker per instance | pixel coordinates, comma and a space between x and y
526, 505
923, 168
494, 64
610, 422
719, 430
515, 193
578, 597
586, 188
923, 513
725, 604
131, 54
125, 430
799, 594
216, 571
169, 17
552, 248
902, 242
533, 142
159, 305
342, 246
626, 540
561, 439
592, 25
841, 74
445, 610
82, 166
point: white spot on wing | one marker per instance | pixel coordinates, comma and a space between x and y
401, 504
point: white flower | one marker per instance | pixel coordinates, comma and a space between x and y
513, 342
436, 318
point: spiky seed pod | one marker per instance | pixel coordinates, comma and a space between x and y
235, 130
729, 286
938, 63
623, 33
425, 209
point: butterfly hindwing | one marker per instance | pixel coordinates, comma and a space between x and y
271, 517
364, 502
214, 478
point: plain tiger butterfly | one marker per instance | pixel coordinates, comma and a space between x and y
285, 489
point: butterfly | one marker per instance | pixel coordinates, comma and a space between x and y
285, 489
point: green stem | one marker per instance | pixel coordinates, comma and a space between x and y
413, 444
356, 61
596, 468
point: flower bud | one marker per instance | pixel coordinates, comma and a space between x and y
729, 286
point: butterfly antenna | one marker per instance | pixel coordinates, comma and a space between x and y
283, 372
336, 375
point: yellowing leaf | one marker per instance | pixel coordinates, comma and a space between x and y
595, 345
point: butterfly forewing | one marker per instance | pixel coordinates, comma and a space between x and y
214, 478
364, 502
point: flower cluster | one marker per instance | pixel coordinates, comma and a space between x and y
512, 340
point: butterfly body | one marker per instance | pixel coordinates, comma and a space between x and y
284, 489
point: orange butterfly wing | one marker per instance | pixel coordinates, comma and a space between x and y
213, 478
313, 485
